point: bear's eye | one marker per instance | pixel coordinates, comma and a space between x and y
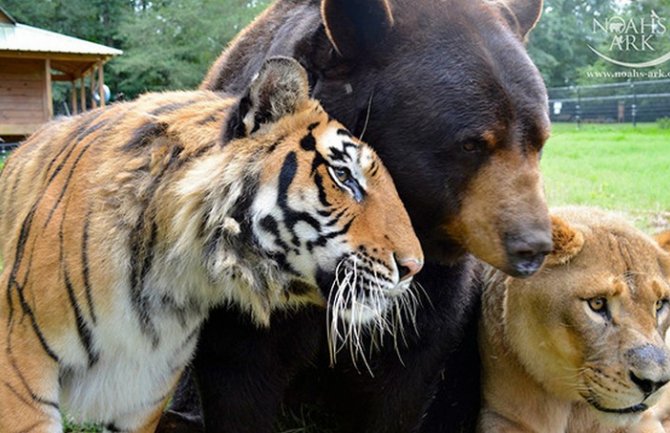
598, 305
470, 146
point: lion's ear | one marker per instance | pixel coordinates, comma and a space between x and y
663, 240
568, 242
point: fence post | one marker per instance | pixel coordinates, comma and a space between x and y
634, 106
578, 109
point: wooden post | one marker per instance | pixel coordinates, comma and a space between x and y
92, 88
82, 93
48, 98
73, 97
101, 83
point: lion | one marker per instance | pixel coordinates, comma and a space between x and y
579, 346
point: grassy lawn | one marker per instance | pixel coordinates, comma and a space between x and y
613, 166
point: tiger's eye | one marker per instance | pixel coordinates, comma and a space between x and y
342, 174
598, 304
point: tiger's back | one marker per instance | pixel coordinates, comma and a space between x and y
79, 184
42, 165
127, 224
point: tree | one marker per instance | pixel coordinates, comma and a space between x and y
168, 44
93, 20
171, 44
558, 44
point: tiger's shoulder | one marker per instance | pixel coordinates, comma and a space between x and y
190, 117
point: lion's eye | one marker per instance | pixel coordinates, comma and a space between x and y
660, 304
598, 305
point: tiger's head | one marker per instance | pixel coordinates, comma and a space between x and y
315, 203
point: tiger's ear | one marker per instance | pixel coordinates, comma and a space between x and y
354, 26
521, 15
277, 90
568, 242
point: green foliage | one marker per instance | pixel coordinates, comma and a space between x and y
663, 123
70, 427
559, 44
172, 44
93, 20
168, 44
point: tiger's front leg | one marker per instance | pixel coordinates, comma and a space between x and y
28, 375
144, 420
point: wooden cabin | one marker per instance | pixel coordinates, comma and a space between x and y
31, 59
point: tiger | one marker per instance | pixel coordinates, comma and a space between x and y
125, 225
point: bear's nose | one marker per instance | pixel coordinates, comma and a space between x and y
526, 252
407, 268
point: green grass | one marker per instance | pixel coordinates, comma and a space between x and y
612, 166
71, 427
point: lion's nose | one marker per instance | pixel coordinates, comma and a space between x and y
647, 386
407, 268
649, 368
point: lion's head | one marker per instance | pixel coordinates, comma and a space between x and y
589, 326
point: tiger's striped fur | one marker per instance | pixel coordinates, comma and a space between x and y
125, 225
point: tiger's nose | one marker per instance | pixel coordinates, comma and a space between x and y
407, 268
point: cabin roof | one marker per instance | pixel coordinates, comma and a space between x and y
23, 38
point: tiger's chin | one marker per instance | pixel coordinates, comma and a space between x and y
375, 303
355, 312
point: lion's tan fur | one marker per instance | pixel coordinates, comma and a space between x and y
536, 344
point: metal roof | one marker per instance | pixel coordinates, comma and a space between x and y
5, 17
20, 37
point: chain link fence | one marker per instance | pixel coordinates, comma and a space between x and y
628, 102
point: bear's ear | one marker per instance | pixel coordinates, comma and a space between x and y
521, 15
568, 242
356, 26
277, 90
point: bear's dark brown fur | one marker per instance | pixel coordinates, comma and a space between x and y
447, 95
